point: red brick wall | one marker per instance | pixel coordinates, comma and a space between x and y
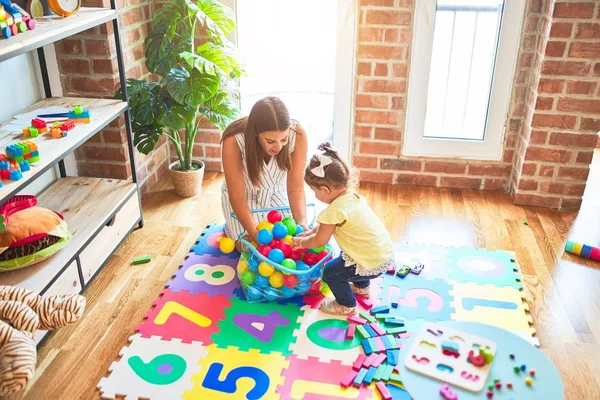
88, 68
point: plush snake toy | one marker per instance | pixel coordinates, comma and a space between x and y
22, 312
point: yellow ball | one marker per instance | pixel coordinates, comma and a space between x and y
242, 266
254, 244
265, 269
226, 244
288, 240
276, 280
264, 225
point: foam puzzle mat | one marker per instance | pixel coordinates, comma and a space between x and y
201, 340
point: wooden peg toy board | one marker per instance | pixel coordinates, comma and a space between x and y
427, 357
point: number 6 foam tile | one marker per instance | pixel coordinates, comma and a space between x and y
311, 379
153, 368
206, 274
324, 336
234, 374
185, 316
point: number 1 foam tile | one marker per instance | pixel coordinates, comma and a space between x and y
324, 336
208, 274
481, 266
311, 379
501, 307
153, 368
234, 374
185, 316
207, 242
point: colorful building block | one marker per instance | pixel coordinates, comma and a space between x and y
362, 332
67, 125
383, 391
379, 373
359, 362
24, 166
392, 357
366, 303
395, 378
396, 330
350, 331
387, 373
380, 347
16, 175
379, 309
356, 320
394, 321
369, 360
348, 379
367, 346
386, 342
370, 330
369, 377
378, 330
360, 377
394, 305
380, 358
366, 316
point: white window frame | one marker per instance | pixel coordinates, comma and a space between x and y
490, 148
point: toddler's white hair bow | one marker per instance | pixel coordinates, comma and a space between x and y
319, 170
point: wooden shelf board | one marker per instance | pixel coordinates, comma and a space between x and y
86, 204
52, 150
51, 29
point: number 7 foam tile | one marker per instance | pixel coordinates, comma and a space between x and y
153, 368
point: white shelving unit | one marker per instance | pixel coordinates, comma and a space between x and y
99, 212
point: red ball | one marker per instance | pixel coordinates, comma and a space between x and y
276, 242
284, 247
290, 281
296, 255
322, 254
265, 249
274, 216
310, 258
315, 287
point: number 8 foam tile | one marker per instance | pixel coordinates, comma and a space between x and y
234, 374
153, 368
206, 274
481, 266
324, 336
502, 307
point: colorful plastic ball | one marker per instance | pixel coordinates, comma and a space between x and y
264, 250
296, 255
274, 216
288, 239
264, 236
261, 281
276, 279
287, 292
302, 287
245, 255
264, 225
247, 278
290, 224
318, 249
226, 245
265, 269
290, 281
271, 294
253, 293
299, 230
253, 264
301, 266
276, 255
289, 263
254, 244
280, 230
310, 258
322, 254
315, 288
315, 274
242, 266
285, 248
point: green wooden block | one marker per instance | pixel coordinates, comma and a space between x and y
141, 260
367, 316
382, 316
396, 378
387, 373
395, 330
362, 332
379, 372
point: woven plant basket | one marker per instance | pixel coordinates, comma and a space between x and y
187, 183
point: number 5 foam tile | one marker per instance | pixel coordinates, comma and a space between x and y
152, 368
185, 316
206, 274
481, 266
207, 242
502, 307
311, 379
433, 257
324, 336
234, 374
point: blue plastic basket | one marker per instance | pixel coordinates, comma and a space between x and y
307, 279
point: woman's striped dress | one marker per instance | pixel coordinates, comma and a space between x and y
269, 193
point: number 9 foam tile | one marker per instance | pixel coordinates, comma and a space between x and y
153, 368
208, 274
234, 374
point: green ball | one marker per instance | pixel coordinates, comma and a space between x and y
319, 249
78, 110
289, 263
247, 278
290, 224
245, 255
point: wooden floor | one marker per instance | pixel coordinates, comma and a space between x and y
564, 290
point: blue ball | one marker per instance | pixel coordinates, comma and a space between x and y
264, 236
287, 292
276, 255
301, 266
254, 293
261, 281
299, 230
280, 230
253, 264
302, 287
316, 273
271, 294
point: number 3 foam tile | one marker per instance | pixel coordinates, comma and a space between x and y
502, 307
324, 336
481, 266
186, 316
206, 274
311, 379
153, 368
234, 374
207, 242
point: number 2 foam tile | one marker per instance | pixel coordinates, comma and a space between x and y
152, 368
207, 242
324, 336
481, 266
311, 379
502, 307
206, 274
185, 316
234, 374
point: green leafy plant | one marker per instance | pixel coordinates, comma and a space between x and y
196, 84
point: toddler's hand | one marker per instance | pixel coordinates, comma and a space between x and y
298, 241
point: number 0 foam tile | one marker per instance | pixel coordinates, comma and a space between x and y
502, 307
481, 266
153, 368
234, 374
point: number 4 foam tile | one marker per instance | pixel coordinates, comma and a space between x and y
234, 374
324, 336
311, 379
153, 368
206, 274
481, 266
502, 307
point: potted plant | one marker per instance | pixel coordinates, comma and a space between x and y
196, 85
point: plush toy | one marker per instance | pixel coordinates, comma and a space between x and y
22, 312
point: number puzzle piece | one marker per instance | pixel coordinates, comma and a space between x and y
229, 382
208, 274
208, 243
483, 267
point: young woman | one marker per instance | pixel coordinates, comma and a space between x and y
263, 156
